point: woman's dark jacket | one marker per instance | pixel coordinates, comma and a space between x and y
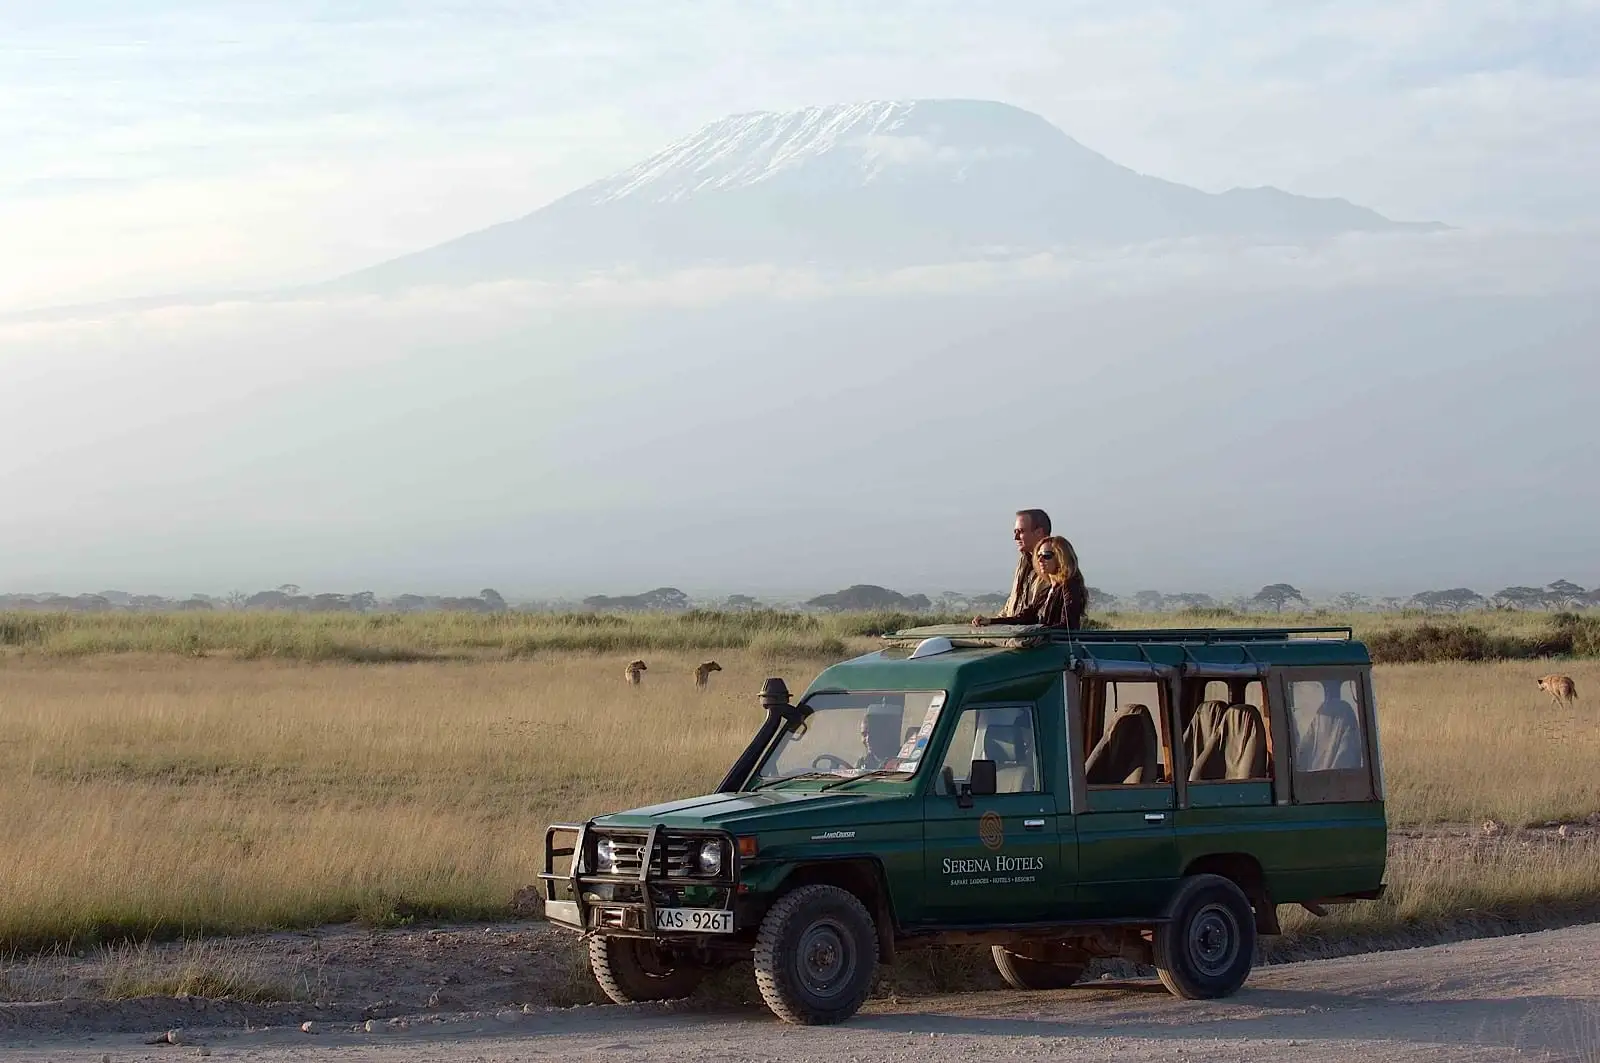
1056, 605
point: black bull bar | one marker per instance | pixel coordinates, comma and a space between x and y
626, 915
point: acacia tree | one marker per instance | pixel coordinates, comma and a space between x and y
1521, 597
1101, 601
1277, 595
1150, 601
1453, 600
1189, 600
1567, 593
1350, 601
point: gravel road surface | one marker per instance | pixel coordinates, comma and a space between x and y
1529, 997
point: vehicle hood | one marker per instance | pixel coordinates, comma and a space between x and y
766, 810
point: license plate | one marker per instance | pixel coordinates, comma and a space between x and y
695, 920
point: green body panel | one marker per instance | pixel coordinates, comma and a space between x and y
1014, 879
1120, 856
1305, 851
1127, 851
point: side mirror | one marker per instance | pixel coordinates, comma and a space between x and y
981, 781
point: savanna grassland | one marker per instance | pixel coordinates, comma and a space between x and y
180, 775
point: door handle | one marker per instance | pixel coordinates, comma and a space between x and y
1033, 824
1155, 817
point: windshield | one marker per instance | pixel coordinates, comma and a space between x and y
850, 734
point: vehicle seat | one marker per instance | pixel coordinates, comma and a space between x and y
1244, 743
1202, 742
1007, 745
1333, 740
1126, 756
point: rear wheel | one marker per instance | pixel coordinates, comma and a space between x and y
1206, 951
632, 970
815, 955
1049, 968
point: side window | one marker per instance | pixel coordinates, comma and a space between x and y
1003, 734
1125, 733
1327, 725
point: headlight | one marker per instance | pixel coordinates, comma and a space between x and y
605, 855
710, 859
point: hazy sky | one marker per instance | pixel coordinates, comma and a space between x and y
1382, 413
153, 147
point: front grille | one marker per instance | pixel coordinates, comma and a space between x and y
679, 855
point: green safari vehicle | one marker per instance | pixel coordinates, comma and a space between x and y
1056, 795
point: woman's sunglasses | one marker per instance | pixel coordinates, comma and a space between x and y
1046, 555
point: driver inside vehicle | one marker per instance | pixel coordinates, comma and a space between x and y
880, 734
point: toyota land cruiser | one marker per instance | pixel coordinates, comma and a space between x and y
1056, 795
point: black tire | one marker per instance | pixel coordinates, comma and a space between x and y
632, 970
815, 955
1206, 951
1029, 973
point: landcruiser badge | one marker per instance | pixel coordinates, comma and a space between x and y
833, 835
991, 831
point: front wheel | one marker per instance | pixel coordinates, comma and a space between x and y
631, 971
815, 955
1207, 949
1032, 972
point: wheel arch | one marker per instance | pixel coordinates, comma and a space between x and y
862, 876
1246, 872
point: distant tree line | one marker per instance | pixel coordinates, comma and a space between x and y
861, 597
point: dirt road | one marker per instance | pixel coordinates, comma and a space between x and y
1535, 996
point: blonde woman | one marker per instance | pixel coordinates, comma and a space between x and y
1062, 594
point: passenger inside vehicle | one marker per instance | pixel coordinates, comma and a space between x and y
880, 733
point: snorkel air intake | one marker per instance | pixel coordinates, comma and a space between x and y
780, 716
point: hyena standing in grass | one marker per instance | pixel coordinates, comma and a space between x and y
1559, 687
630, 674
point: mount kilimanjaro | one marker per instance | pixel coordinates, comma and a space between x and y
883, 184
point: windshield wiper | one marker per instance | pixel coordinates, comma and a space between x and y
875, 773
792, 778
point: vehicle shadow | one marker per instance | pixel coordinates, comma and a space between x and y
1267, 1014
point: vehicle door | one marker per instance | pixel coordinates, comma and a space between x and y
1128, 861
991, 858
1228, 745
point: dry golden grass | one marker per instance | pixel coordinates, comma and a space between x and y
148, 794
1473, 741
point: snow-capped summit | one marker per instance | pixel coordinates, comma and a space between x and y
865, 184
842, 145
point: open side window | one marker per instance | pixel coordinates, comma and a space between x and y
1004, 734
1328, 716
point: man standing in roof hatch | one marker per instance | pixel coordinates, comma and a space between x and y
1032, 525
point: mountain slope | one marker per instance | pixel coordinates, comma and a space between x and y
871, 184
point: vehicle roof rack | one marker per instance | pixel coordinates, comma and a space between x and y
1033, 635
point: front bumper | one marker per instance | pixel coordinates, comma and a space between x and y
624, 902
